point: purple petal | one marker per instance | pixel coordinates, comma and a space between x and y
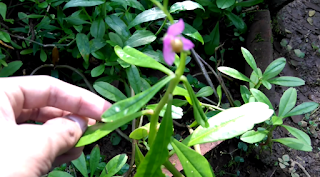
176, 29
168, 54
187, 44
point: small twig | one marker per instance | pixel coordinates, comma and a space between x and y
272, 173
293, 163
212, 106
197, 146
210, 101
178, 124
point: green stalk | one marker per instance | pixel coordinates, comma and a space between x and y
173, 83
87, 14
172, 169
161, 27
164, 9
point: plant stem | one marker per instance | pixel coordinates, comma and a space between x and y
87, 14
161, 27
173, 83
212, 106
164, 9
172, 169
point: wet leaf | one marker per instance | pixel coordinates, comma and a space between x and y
191, 32
146, 16
185, 5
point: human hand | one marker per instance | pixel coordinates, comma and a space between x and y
29, 149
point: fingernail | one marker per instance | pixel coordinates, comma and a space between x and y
81, 121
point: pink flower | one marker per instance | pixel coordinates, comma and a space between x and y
174, 42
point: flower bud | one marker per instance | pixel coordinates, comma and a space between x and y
177, 45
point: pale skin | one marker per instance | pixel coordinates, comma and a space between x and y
66, 110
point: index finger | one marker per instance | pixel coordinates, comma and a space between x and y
30, 92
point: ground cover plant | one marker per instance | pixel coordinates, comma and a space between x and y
119, 43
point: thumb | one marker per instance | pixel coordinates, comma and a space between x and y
64, 133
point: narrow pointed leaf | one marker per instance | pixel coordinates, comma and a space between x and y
266, 84
261, 97
83, 3
191, 32
294, 144
210, 47
140, 37
287, 81
134, 78
109, 91
253, 136
237, 21
302, 109
132, 3
115, 165
94, 159
146, 16
230, 123
135, 57
223, 4
98, 28
298, 134
80, 164
117, 25
287, 101
193, 163
245, 93
204, 92
233, 73
83, 46
250, 60
59, 174
132, 104
185, 5
10, 69
219, 93
274, 68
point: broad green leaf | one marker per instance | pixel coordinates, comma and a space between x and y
99, 130
249, 3
75, 20
204, 92
223, 4
97, 71
254, 80
287, 81
210, 47
139, 133
294, 144
138, 156
10, 69
96, 44
59, 174
26, 51
237, 22
94, 159
230, 123
245, 93
302, 109
146, 16
83, 3
276, 120
109, 91
135, 57
43, 56
261, 97
302, 136
98, 28
4, 36
205, 2
191, 32
116, 39
287, 101
158, 153
266, 84
185, 5
250, 60
193, 163
115, 164
274, 68
132, 3
43, 5
253, 136
117, 25
3, 10
35, 16
233, 73
83, 46
131, 105
140, 37
80, 164
134, 78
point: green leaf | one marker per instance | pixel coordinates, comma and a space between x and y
117, 25
35, 16
261, 97
116, 39
274, 68
245, 93
302, 136
230, 123
94, 159
276, 120
185, 5
191, 32
299, 53
26, 51
10, 69
134, 78
4, 36
193, 163
253, 136
139, 133
135, 57
158, 153
83, 3
75, 20
177, 112
287, 81
205, 92
98, 28
132, 3
219, 93
99, 130
249, 3
132, 104
3, 10
237, 21
140, 37
146, 16
223, 4
43, 56
83, 46
250, 60
97, 71
138, 156
43, 5
266, 84
302, 109
287, 101
210, 47
294, 144
59, 174
80, 164
96, 44
233, 73
115, 164
109, 91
